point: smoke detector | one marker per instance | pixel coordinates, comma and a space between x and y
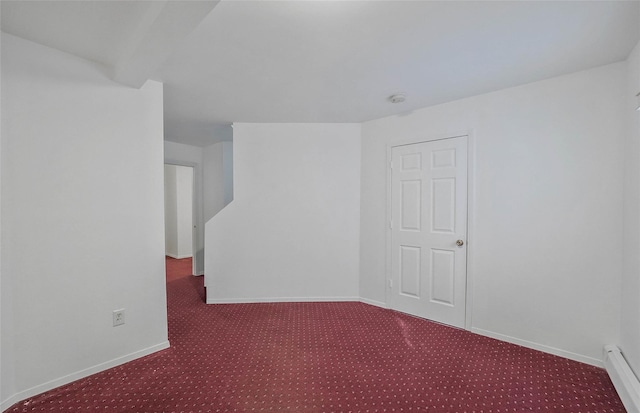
399, 98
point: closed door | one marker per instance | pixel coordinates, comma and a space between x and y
429, 230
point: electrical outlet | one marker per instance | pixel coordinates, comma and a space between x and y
118, 317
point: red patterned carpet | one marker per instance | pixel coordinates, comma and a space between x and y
328, 357
178, 268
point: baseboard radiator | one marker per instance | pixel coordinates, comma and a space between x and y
625, 382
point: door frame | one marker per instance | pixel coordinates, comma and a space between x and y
471, 195
196, 217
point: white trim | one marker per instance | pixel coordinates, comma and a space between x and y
50, 385
279, 300
625, 382
297, 300
374, 303
9, 402
387, 220
471, 226
178, 257
540, 347
502, 337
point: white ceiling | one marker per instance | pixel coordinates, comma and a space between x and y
337, 61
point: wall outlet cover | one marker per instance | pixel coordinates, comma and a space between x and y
118, 317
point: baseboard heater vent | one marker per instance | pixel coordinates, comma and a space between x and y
625, 382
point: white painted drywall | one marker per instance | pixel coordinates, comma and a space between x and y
213, 180
218, 177
194, 133
178, 211
7, 373
187, 155
227, 171
82, 215
545, 246
184, 210
630, 315
291, 232
170, 212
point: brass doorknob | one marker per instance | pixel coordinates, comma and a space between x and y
459, 243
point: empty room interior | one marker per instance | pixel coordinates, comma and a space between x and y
392, 206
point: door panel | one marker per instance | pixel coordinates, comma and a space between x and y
442, 276
443, 205
411, 205
429, 214
410, 271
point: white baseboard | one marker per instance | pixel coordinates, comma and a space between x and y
178, 257
50, 385
374, 302
623, 379
540, 347
4, 405
524, 343
279, 300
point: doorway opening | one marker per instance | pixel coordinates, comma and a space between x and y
179, 220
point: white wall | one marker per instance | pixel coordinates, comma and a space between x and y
170, 212
82, 216
184, 210
218, 177
545, 245
630, 319
291, 232
178, 211
227, 171
213, 180
7, 373
187, 155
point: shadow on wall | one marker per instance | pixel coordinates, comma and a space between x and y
217, 178
179, 211
218, 184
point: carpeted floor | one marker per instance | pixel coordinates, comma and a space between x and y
178, 268
328, 357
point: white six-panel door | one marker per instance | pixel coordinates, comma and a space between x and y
429, 230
